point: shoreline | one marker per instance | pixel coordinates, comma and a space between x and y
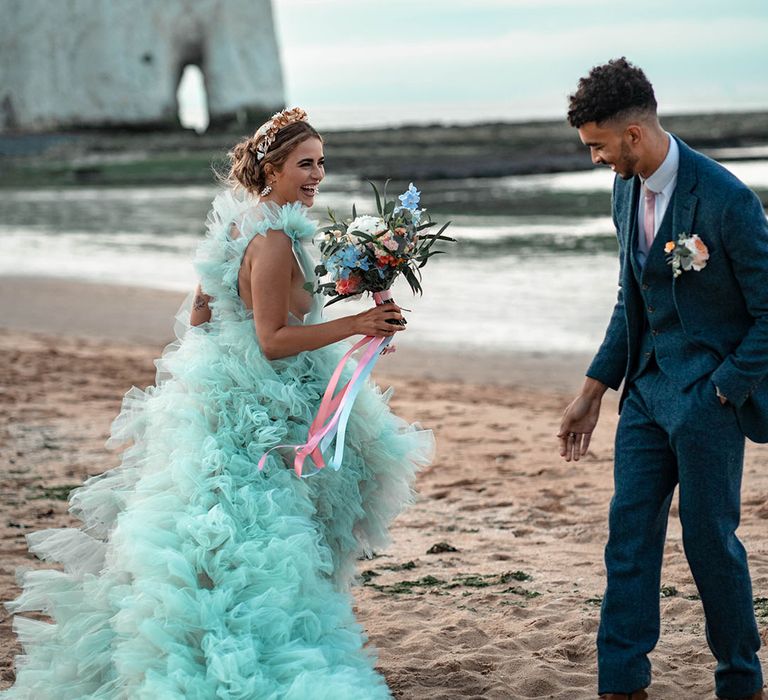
49, 306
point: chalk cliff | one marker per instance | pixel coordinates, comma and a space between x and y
97, 63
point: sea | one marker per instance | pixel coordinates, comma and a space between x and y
542, 281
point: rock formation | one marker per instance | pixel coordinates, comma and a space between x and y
99, 63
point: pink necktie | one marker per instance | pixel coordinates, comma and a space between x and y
649, 218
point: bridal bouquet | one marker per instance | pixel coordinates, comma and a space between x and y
367, 253
364, 254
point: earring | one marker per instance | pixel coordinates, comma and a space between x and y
265, 191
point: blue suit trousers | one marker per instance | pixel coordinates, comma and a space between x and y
669, 437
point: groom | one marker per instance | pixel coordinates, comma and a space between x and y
690, 343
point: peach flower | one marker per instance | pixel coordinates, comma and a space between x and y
348, 286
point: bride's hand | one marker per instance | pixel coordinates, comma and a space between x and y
374, 321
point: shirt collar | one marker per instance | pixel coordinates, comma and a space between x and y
666, 174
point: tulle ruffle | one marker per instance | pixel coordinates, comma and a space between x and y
219, 255
194, 575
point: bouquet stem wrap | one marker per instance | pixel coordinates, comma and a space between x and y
330, 423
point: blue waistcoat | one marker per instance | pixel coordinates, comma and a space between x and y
663, 335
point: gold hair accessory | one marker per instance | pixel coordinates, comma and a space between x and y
266, 133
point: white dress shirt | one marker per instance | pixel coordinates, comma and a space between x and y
663, 183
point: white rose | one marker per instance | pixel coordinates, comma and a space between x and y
366, 224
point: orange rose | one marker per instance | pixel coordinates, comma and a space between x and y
348, 286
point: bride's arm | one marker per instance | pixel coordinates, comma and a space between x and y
201, 312
270, 289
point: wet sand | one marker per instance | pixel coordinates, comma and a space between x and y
491, 588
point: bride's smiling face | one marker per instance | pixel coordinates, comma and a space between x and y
300, 175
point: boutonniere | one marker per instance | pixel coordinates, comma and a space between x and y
689, 252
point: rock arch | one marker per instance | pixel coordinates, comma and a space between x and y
192, 99
90, 63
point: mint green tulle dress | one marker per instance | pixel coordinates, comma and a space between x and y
194, 576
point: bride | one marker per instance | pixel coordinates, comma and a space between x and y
193, 574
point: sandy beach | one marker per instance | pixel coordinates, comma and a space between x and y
491, 588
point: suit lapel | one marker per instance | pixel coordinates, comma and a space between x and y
684, 202
656, 255
632, 229
631, 289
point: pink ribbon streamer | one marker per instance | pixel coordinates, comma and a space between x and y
333, 408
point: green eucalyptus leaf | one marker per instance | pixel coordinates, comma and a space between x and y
363, 236
443, 227
429, 255
437, 237
432, 237
339, 298
378, 198
412, 280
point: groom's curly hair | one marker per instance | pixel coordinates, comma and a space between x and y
615, 89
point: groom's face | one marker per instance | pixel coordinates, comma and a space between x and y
610, 145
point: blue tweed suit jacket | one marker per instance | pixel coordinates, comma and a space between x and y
723, 309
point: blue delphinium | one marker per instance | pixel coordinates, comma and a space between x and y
410, 198
410, 201
345, 260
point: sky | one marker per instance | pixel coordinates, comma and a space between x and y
376, 62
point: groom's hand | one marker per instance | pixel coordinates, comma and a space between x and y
580, 419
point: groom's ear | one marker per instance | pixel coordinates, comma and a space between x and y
634, 134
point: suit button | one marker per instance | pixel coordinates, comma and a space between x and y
651, 309
647, 355
646, 286
654, 332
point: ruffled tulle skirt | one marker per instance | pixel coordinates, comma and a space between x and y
193, 574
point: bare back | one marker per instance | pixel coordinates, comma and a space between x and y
299, 302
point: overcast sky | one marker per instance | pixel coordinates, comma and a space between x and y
371, 62
391, 61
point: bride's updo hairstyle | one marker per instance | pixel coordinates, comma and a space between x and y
271, 145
